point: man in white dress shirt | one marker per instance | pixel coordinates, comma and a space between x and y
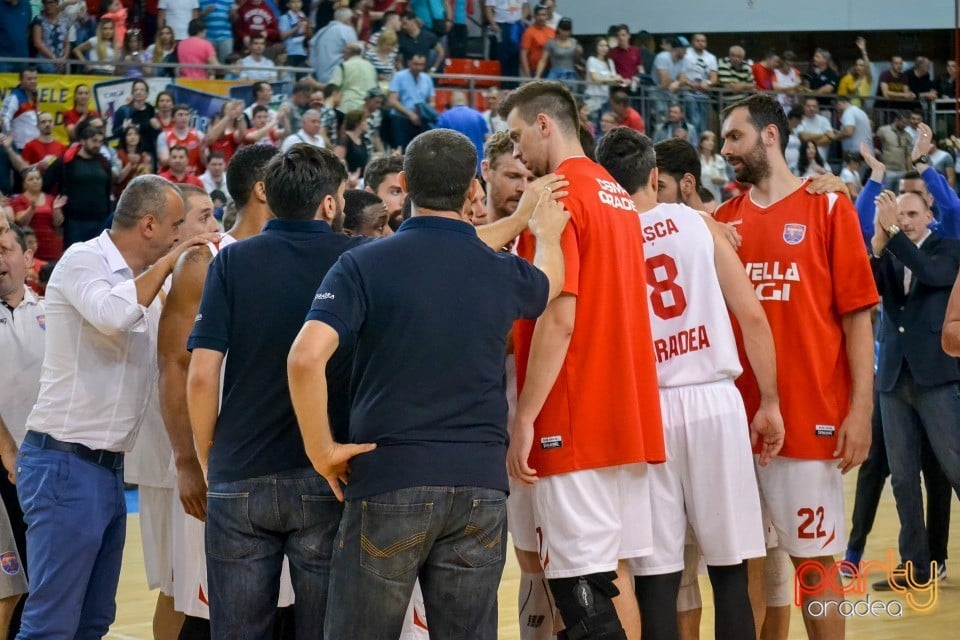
97, 376
309, 132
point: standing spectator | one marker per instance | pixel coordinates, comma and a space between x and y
601, 76
257, 66
134, 161
373, 114
309, 133
821, 78
257, 17
101, 315
49, 34
196, 49
80, 111
355, 76
858, 83
182, 135
893, 85
734, 74
43, 149
227, 130
433, 14
330, 115
132, 56
698, 76
626, 115
42, 212
458, 37
18, 114
415, 40
920, 80
815, 127
626, 57
85, 177
101, 49
913, 124
811, 164
215, 177
179, 169
294, 33
262, 130
177, 15
163, 46
787, 79
351, 147
505, 22
361, 18
494, 121
383, 54
117, 12
299, 102
764, 71
713, 167
262, 96
562, 55
850, 175
327, 45
15, 16
895, 147
216, 16
947, 88
137, 113
535, 37
667, 67
409, 90
675, 120
466, 120
854, 126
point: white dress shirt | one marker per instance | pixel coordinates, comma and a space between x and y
212, 185
100, 364
304, 137
21, 343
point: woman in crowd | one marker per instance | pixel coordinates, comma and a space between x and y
351, 148
161, 48
134, 161
560, 54
810, 164
227, 130
601, 75
713, 168
49, 34
383, 57
132, 65
858, 82
81, 110
42, 212
163, 115
101, 49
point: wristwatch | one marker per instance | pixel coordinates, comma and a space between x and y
924, 159
892, 230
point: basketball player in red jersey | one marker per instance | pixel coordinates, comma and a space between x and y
804, 254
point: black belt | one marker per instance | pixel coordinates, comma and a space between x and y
107, 459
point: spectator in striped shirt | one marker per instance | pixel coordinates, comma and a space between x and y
733, 73
216, 15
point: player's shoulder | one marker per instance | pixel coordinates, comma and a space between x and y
732, 209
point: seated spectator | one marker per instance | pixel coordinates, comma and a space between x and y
326, 46
764, 71
138, 113
713, 166
373, 112
410, 89
278, 56
601, 76
389, 20
947, 87
355, 76
364, 214
81, 109
787, 79
351, 148
262, 96
815, 127
676, 119
185, 136
309, 132
49, 34
920, 80
214, 179
811, 163
294, 32
608, 121
179, 169
895, 146
626, 115
858, 82
257, 66
383, 55
118, 13
850, 174
330, 115
134, 161
414, 40
262, 130
586, 121
163, 46
821, 78
42, 212
177, 15
733, 73
100, 49
131, 57
560, 55
196, 49
534, 39
893, 85
44, 149
256, 17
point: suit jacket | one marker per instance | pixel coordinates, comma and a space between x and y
912, 321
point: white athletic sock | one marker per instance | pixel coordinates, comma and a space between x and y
535, 607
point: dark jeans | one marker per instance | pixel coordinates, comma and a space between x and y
251, 525
8, 493
909, 411
457, 40
453, 538
81, 230
873, 476
403, 130
508, 51
76, 516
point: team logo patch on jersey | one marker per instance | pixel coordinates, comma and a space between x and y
10, 563
551, 442
793, 233
42, 321
825, 430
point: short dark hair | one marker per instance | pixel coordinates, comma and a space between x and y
439, 166
763, 111
217, 194
796, 113
379, 168
588, 143
911, 175
86, 130
180, 107
258, 86
247, 167
620, 98
676, 157
179, 147
329, 89
706, 195
628, 156
543, 96
216, 155
406, 209
258, 36
298, 180
196, 27
355, 205
497, 145
20, 234
29, 69
259, 109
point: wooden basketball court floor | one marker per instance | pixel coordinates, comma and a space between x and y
135, 602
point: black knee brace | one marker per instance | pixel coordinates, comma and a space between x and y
586, 606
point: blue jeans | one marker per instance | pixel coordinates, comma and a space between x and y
76, 519
251, 525
908, 411
697, 109
453, 538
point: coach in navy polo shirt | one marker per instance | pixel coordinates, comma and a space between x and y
265, 500
427, 311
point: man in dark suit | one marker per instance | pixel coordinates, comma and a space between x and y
918, 382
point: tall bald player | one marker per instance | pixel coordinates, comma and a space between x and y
708, 482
